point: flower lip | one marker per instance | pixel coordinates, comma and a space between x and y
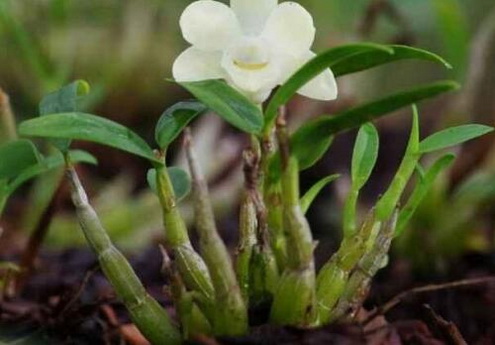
250, 66
250, 53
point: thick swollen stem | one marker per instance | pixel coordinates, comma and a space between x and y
150, 318
263, 272
273, 201
299, 238
370, 263
231, 316
247, 241
332, 278
189, 263
294, 302
193, 321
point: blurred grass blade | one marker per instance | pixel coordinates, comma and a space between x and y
312, 69
227, 103
181, 181
312, 140
8, 130
28, 48
313, 192
175, 119
422, 188
365, 60
17, 156
81, 126
454, 32
453, 136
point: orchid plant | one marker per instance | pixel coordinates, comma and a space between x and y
239, 55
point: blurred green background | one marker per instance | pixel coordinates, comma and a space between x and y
125, 50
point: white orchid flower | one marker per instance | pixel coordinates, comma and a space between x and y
255, 45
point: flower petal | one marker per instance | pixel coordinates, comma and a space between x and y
323, 87
253, 14
290, 28
209, 25
195, 65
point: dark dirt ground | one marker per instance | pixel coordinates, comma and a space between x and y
68, 301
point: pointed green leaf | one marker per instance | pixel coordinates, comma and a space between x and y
313, 192
49, 163
15, 156
390, 200
81, 126
175, 119
369, 59
70, 98
420, 191
181, 181
453, 136
227, 103
312, 140
365, 155
313, 68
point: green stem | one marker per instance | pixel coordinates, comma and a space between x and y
150, 318
389, 201
350, 206
333, 276
230, 311
193, 321
370, 263
189, 263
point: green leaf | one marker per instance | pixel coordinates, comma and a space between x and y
390, 200
51, 162
175, 119
363, 162
179, 178
313, 68
313, 192
369, 59
15, 156
453, 136
227, 103
311, 141
68, 99
81, 126
421, 190
365, 155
